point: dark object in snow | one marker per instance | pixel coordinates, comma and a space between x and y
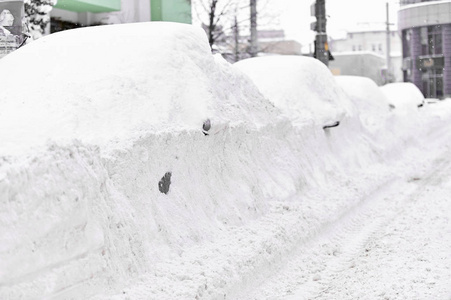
26, 37
332, 125
165, 182
206, 126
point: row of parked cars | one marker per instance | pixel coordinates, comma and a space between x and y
301, 87
304, 89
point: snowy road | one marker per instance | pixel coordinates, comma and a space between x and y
396, 244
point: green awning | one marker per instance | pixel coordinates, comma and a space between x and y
94, 6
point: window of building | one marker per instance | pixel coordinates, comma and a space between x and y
57, 25
353, 47
435, 40
360, 47
380, 47
424, 40
431, 40
433, 83
406, 37
373, 47
350, 35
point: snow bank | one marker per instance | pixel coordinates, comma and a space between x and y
371, 103
106, 178
86, 143
86, 146
302, 87
307, 93
102, 84
404, 96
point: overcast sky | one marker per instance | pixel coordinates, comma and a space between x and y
344, 15
294, 16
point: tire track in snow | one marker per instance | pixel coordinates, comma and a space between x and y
241, 259
317, 262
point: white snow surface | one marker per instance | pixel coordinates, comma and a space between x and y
302, 87
405, 96
85, 145
155, 80
371, 103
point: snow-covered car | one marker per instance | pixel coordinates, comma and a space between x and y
372, 104
302, 87
98, 77
403, 95
95, 124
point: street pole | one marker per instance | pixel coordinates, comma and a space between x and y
321, 46
254, 39
388, 75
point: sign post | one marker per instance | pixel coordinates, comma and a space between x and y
11, 25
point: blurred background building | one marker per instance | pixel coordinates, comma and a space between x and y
275, 42
363, 52
425, 27
68, 14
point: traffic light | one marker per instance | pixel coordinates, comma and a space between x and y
322, 52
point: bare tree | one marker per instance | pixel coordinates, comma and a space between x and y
38, 15
216, 11
228, 25
254, 37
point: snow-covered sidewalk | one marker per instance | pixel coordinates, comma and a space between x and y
112, 185
372, 244
396, 244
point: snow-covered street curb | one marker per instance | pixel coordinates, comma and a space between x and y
237, 260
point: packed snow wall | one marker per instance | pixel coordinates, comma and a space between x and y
84, 157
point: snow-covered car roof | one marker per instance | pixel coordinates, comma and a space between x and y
302, 87
102, 83
403, 95
370, 101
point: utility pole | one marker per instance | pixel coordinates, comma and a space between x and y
254, 39
388, 75
322, 53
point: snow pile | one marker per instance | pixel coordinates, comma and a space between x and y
116, 116
85, 146
302, 87
159, 80
371, 103
107, 180
404, 96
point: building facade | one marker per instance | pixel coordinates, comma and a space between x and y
364, 64
425, 27
363, 53
68, 14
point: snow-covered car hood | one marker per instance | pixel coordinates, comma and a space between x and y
404, 96
371, 103
121, 80
302, 87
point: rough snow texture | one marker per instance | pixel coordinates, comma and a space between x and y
404, 96
86, 144
371, 103
302, 88
149, 80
